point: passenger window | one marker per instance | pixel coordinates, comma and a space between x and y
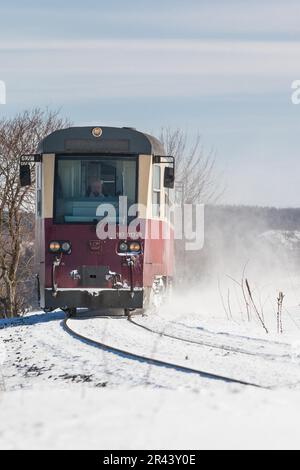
39, 203
169, 203
156, 191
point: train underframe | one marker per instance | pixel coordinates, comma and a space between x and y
100, 300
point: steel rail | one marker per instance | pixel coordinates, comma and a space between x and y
156, 362
208, 344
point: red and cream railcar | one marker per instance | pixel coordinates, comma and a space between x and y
82, 174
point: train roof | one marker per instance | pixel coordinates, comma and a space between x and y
113, 140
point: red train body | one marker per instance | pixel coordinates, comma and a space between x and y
81, 175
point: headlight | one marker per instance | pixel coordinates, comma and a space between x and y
135, 247
59, 246
54, 247
123, 247
129, 247
66, 247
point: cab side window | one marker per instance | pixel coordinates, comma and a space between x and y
39, 189
156, 191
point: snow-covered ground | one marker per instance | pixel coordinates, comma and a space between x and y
59, 392
136, 418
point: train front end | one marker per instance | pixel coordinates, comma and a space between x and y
97, 192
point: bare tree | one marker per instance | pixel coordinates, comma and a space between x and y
195, 167
19, 135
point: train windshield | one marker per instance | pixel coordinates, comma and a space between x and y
82, 184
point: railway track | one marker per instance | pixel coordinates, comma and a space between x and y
156, 362
209, 344
234, 336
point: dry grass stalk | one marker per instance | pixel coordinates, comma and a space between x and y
229, 304
242, 286
222, 300
279, 312
259, 315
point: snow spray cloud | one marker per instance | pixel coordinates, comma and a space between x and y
259, 244
264, 240
2, 92
180, 222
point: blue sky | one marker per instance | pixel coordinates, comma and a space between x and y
221, 68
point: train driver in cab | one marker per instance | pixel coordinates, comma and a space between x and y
95, 189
